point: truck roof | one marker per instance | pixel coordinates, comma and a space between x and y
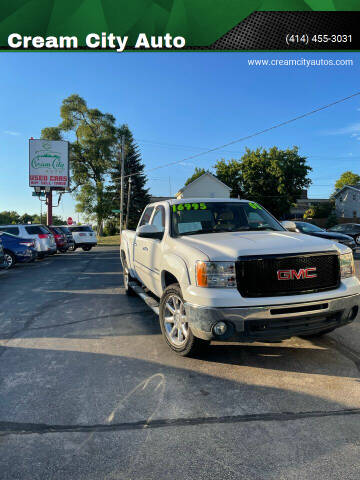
175, 201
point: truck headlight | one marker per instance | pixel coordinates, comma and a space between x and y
215, 274
347, 265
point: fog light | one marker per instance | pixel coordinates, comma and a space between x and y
220, 328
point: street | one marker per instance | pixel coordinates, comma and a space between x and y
89, 390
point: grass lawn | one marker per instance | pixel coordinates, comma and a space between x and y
111, 240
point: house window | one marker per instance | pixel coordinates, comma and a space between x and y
354, 214
340, 199
354, 196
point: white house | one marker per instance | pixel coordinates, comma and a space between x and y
205, 186
347, 202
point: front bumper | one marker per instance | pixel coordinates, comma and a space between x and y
275, 322
85, 244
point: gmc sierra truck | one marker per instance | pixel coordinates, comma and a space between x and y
226, 269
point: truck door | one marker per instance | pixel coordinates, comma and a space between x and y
155, 251
141, 250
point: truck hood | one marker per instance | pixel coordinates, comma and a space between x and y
230, 245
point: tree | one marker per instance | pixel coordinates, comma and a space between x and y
274, 178
91, 154
230, 173
347, 178
12, 217
197, 173
139, 194
9, 217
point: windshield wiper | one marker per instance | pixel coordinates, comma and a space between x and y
265, 228
195, 232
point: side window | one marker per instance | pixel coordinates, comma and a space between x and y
12, 230
159, 219
145, 219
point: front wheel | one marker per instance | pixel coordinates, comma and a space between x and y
87, 248
174, 323
9, 259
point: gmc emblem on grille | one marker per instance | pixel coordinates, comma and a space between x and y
293, 274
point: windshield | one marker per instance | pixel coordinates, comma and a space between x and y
36, 229
83, 228
308, 227
213, 217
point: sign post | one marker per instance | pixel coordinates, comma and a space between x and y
48, 168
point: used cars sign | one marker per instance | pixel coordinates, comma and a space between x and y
48, 163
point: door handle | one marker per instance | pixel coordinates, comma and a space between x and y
145, 248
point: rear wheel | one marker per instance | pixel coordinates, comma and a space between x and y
9, 259
127, 279
174, 323
87, 248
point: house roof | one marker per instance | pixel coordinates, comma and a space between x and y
206, 174
353, 187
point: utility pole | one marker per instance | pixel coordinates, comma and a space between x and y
122, 159
49, 209
128, 203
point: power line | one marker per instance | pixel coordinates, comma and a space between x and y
247, 137
189, 147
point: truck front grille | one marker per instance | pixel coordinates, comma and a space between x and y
258, 276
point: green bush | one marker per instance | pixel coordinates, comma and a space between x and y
331, 221
110, 228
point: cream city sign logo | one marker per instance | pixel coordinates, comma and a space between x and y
45, 158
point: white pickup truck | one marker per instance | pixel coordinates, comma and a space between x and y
226, 269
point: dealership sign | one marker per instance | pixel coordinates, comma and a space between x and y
48, 163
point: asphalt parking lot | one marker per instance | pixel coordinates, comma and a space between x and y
89, 390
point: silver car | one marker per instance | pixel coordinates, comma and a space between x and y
43, 239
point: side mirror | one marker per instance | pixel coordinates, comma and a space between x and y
290, 226
149, 231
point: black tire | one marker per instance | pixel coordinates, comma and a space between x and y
126, 279
62, 250
190, 345
87, 248
319, 334
9, 258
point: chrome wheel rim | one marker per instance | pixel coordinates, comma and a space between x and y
8, 260
175, 321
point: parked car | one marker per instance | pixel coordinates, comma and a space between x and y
227, 270
60, 238
44, 240
3, 263
84, 237
310, 229
351, 229
69, 237
17, 250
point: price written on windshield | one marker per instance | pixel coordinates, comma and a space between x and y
189, 206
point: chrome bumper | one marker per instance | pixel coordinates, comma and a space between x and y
275, 322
